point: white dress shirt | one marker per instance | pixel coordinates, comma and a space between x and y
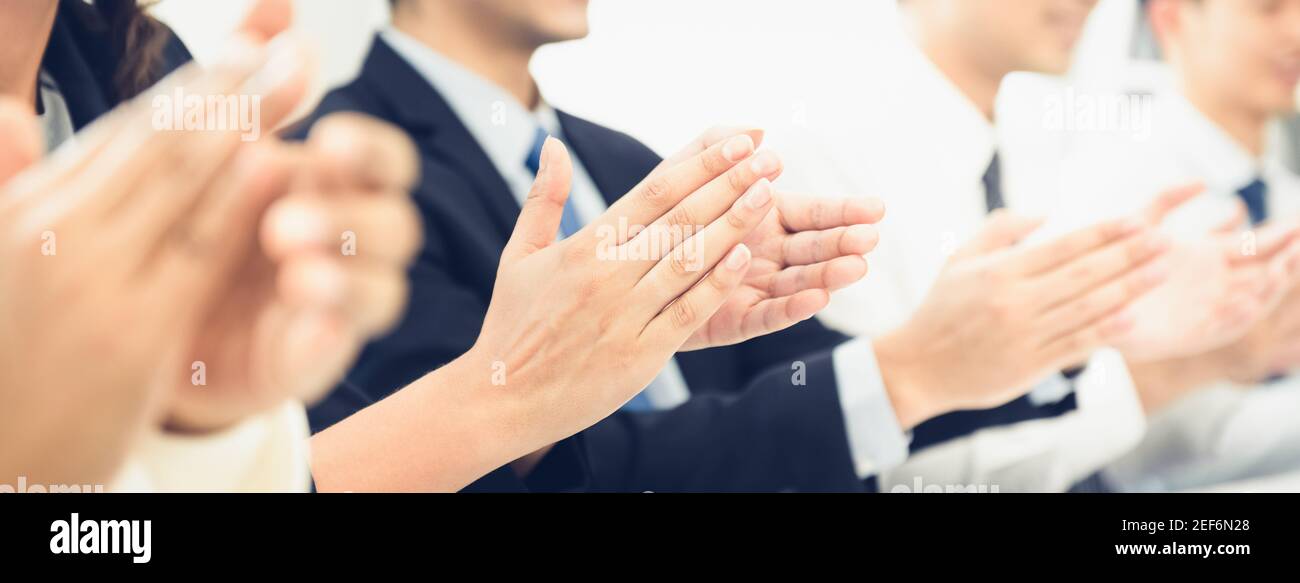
506, 130
1225, 432
918, 143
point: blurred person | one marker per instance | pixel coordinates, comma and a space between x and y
118, 390
1236, 66
930, 148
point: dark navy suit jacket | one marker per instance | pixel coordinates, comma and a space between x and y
82, 61
746, 427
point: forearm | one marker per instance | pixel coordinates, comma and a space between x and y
440, 433
1161, 383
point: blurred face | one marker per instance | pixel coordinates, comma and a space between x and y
535, 22
1245, 52
1018, 35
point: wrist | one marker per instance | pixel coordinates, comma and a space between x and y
1160, 383
909, 390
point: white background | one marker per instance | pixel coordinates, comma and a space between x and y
662, 70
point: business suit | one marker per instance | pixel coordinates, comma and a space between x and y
82, 60
747, 426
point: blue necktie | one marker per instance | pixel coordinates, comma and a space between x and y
570, 224
1255, 195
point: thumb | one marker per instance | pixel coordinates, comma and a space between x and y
23, 142
540, 218
267, 18
1003, 229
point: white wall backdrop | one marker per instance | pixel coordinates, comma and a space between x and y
664, 69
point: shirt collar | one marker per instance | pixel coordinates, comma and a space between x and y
967, 139
504, 128
1224, 164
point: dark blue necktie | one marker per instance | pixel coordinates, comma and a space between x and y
1255, 195
569, 222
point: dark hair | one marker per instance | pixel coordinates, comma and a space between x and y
138, 41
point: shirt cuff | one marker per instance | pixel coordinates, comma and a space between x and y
876, 440
265, 453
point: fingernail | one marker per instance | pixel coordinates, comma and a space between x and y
738, 148
764, 164
739, 258
759, 194
544, 162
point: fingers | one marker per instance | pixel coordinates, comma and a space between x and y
830, 275
267, 18
808, 247
680, 269
801, 213
764, 317
539, 220
1265, 243
1104, 302
1078, 346
359, 227
686, 314
163, 168
1049, 256
663, 190
1003, 229
712, 200
23, 142
1169, 201
710, 138
1074, 279
369, 296
201, 252
354, 150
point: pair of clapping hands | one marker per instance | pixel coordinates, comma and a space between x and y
138, 260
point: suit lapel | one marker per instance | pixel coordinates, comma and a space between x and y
429, 119
605, 170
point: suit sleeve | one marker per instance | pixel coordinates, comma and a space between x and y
1222, 434
784, 432
1041, 455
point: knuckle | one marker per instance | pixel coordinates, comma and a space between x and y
683, 313
681, 217
738, 180
679, 263
719, 281
736, 218
658, 189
